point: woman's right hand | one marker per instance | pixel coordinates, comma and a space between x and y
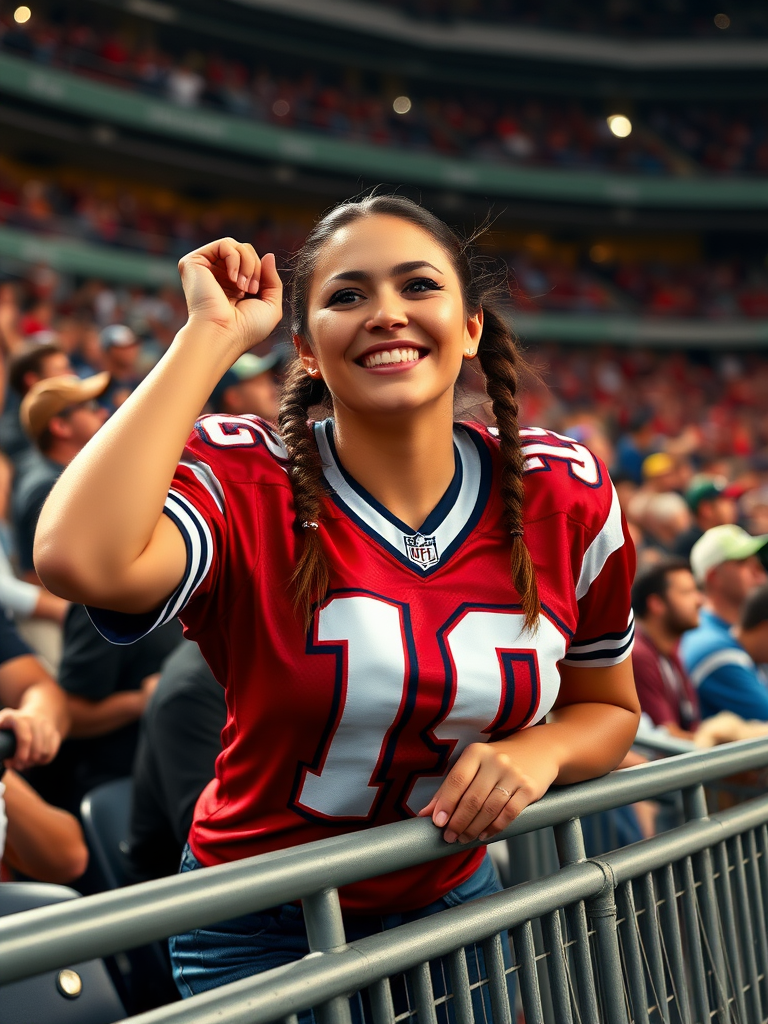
227, 286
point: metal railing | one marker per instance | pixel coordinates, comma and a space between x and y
671, 929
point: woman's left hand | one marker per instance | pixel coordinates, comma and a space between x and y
488, 787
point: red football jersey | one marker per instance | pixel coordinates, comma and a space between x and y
419, 648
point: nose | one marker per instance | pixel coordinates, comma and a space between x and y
389, 312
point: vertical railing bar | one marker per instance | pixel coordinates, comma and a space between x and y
695, 804
292, 1018
493, 954
747, 937
671, 924
424, 997
462, 995
558, 970
525, 955
728, 918
569, 840
652, 945
691, 918
601, 910
758, 870
382, 1005
325, 933
632, 954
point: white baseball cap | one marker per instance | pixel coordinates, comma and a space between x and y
727, 543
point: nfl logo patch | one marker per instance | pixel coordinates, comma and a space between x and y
422, 550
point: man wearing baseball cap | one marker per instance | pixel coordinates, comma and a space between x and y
726, 566
249, 386
712, 500
60, 415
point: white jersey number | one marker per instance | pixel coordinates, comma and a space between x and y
498, 679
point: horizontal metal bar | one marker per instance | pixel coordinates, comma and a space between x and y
95, 926
685, 841
282, 991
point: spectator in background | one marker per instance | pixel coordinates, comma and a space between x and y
726, 566
32, 705
712, 504
180, 741
249, 386
26, 367
665, 516
666, 603
36, 839
120, 358
751, 631
107, 688
60, 415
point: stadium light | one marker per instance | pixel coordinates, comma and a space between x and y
722, 21
22, 15
401, 105
620, 125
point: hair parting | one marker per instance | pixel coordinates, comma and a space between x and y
484, 282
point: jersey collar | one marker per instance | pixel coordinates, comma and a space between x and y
457, 513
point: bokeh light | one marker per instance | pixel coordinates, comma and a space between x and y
22, 15
722, 21
402, 105
620, 125
280, 108
600, 252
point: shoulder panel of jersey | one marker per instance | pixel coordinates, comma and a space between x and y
222, 452
563, 477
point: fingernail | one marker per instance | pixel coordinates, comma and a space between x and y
464, 840
243, 281
449, 837
440, 818
483, 835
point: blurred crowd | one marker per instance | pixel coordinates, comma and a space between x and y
689, 138
542, 276
628, 18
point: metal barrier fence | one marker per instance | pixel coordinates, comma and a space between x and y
671, 929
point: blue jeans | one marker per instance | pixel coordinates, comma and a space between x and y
208, 957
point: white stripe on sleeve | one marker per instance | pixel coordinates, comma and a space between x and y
719, 659
610, 539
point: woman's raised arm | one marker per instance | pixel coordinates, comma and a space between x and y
102, 538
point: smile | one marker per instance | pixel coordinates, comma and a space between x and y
390, 356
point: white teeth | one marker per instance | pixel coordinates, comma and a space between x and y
395, 355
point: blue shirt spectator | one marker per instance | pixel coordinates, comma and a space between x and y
725, 676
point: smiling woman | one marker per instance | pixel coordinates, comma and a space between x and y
390, 599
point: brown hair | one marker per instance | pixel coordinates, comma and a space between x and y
482, 286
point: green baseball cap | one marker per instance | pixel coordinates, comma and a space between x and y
247, 367
727, 543
703, 488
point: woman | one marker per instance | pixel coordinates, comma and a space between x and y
386, 597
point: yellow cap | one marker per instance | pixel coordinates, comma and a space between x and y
51, 396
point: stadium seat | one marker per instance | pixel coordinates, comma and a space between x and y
81, 994
105, 813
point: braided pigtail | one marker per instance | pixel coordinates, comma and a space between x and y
499, 360
300, 393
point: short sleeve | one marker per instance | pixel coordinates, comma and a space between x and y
195, 504
603, 578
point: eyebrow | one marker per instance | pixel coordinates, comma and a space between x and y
399, 268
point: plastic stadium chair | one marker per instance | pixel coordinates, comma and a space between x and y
80, 994
105, 813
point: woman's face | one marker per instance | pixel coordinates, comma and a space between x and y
386, 320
